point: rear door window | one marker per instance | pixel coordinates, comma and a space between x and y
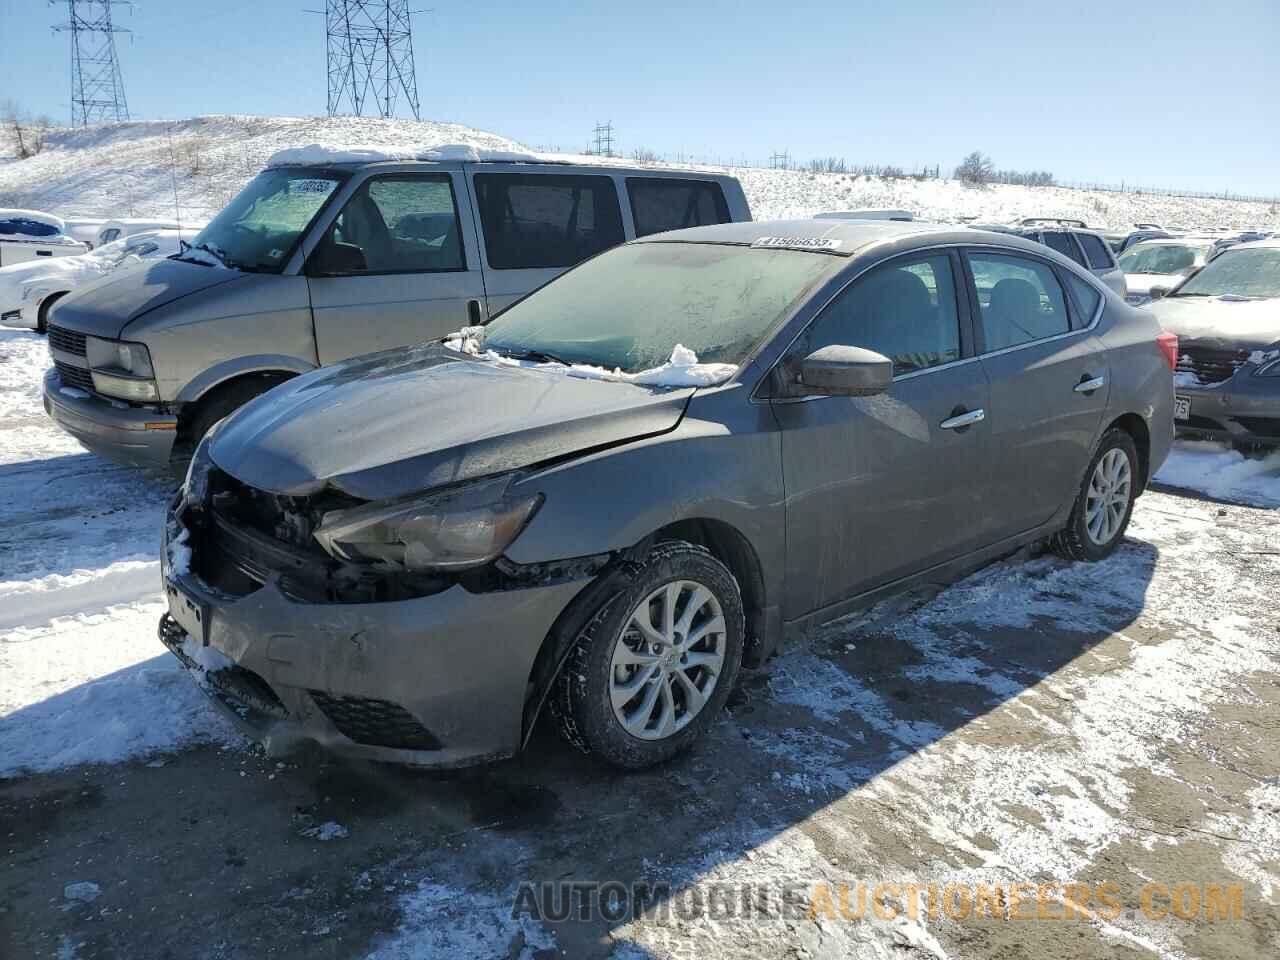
1095, 251
1062, 242
659, 204
1019, 300
533, 221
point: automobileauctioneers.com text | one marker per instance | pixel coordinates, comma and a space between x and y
616, 901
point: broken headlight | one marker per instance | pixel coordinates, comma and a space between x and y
465, 527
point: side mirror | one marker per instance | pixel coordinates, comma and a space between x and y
334, 259
1155, 293
840, 371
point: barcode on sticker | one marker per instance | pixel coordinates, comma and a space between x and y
799, 243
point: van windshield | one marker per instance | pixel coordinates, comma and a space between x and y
629, 307
259, 229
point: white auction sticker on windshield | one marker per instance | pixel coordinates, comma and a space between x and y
798, 243
314, 186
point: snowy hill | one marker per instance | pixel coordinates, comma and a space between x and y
130, 169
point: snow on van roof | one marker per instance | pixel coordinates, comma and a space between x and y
318, 154
10, 213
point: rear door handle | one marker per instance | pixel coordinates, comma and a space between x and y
962, 420
1089, 384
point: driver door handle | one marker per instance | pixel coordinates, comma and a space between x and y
1089, 384
962, 420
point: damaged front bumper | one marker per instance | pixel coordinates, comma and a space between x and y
1243, 409
438, 680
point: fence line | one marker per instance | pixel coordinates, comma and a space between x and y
917, 172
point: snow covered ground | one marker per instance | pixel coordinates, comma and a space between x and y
1040, 721
127, 169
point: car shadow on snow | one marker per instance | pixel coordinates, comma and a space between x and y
822, 720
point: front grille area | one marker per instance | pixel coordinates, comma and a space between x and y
244, 537
68, 341
72, 376
377, 723
1210, 364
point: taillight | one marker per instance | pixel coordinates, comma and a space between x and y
1168, 344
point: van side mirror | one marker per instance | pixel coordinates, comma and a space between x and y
841, 371
336, 259
1155, 293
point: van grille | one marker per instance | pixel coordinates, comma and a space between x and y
67, 341
74, 376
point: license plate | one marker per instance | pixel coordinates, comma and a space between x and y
191, 614
1182, 408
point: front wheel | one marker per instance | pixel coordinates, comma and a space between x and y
656, 660
1105, 502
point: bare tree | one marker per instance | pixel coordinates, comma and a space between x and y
976, 168
25, 133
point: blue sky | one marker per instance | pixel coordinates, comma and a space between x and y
1174, 93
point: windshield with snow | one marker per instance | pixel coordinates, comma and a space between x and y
1161, 258
628, 308
1237, 273
258, 230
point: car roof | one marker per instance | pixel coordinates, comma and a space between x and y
1173, 242
853, 235
1270, 244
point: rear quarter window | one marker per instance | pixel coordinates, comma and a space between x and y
1095, 251
533, 221
660, 204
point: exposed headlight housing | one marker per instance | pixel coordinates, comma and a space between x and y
457, 529
121, 369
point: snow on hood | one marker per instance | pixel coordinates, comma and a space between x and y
318, 154
681, 370
1251, 322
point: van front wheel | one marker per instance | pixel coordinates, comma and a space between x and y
223, 401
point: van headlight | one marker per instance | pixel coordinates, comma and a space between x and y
454, 530
121, 369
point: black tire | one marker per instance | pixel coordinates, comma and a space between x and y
581, 701
223, 402
1074, 542
42, 318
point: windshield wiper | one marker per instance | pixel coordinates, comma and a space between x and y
212, 251
537, 355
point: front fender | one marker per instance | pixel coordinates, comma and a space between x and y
723, 462
226, 370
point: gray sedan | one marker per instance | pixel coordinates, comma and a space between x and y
649, 473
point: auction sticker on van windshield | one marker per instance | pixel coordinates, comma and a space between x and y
313, 186
797, 243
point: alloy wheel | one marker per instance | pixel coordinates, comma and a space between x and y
1107, 498
667, 660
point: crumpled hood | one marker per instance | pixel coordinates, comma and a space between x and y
1251, 324
105, 308
403, 421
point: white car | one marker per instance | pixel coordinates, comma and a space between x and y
85, 229
32, 235
39, 291
1162, 263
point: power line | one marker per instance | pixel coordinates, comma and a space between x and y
97, 88
370, 57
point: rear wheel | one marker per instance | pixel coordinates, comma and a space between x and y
656, 661
1105, 502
